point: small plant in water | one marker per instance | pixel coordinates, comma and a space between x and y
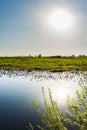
54, 119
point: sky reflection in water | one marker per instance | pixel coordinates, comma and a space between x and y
17, 93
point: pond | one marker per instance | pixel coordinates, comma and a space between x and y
19, 89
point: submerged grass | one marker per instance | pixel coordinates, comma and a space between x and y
44, 63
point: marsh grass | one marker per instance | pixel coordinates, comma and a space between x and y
54, 64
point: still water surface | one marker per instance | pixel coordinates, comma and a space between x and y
19, 89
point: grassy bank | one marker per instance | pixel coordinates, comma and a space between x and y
44, 63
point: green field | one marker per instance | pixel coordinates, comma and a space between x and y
44, 63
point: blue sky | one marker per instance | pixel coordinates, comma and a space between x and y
24, 31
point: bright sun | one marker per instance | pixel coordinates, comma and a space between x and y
60, 20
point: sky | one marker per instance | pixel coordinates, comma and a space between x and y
29, 27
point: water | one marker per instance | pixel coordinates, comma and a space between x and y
19, 89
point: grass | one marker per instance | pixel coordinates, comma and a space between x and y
55, 119
44, 63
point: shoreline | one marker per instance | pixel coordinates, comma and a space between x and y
43, 64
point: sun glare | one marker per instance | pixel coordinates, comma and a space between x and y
60, 20
62, 89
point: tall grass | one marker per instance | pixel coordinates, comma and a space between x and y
54, 119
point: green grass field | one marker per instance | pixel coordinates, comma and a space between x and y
44, 63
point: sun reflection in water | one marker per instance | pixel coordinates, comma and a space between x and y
62, 89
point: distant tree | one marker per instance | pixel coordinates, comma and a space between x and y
39, 55
35, 56
57, 56
30, 55
72, 56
